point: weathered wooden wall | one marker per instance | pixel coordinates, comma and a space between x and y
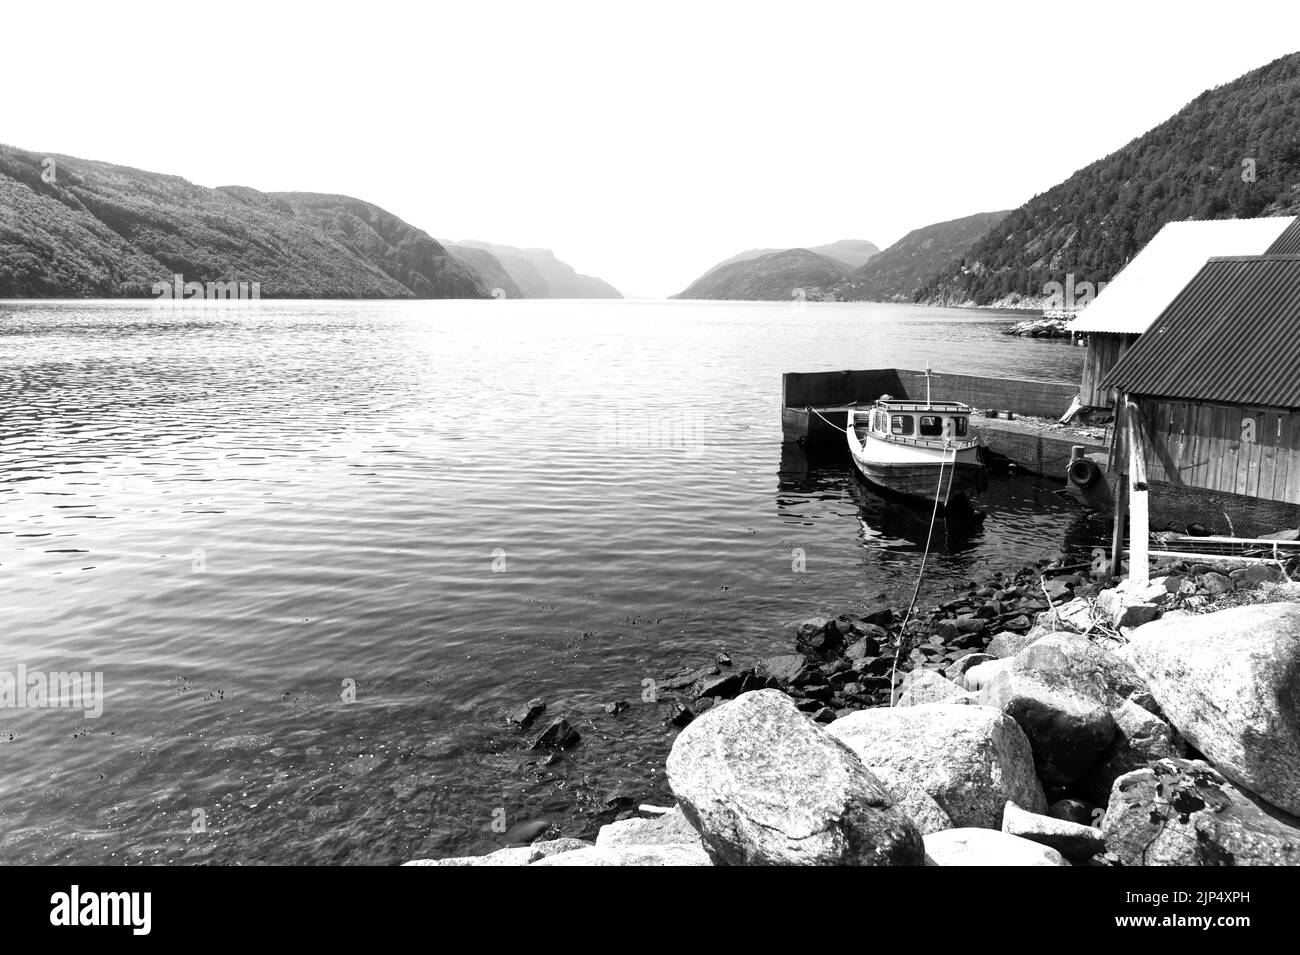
1206, 447
1102, 354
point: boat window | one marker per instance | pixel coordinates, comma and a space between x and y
901, 424
931, 426
959, 427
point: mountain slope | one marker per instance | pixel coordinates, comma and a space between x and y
854, 253
770, 276
539, 274
489, 269
100, 230
895, 274
1189, 167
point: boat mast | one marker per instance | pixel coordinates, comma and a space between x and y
927, 383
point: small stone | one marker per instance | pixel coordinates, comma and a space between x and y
528, 831
526, 715
618, 706
1070, 839
559, 735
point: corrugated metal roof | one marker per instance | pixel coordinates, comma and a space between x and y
1232, 336
1288, 243
1129, 304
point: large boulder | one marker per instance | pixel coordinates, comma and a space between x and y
764, 785
513, 855
1229, 682
1008, 643
1182, 812
1073, 660
672, 828
986, 847
1071, 839
970, 759
915, 803
1067, 730
982, 674
926, 686
665, 854
1140, 737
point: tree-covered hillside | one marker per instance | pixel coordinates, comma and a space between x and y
1233, 152
92, 229
895, 274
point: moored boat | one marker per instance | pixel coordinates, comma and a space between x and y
921, 449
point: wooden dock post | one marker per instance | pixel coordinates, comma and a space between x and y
1139, 534
1119, 466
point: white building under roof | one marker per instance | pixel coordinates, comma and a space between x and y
1143, 289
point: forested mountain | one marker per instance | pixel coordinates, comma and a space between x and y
895, 274
92, 229
770, 276
1233, 152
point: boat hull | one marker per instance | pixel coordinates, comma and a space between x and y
928, 473
961, 481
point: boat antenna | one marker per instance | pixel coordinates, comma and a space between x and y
927, 383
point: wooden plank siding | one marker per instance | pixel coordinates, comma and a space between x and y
1104, 350
1202, 446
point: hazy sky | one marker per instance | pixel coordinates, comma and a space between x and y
642, 142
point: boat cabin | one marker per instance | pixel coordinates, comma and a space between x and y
919, 421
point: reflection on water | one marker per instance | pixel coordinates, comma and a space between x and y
450, 507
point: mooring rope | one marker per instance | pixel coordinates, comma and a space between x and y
925, 556
827, 420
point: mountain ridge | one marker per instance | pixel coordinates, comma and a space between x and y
1232, 152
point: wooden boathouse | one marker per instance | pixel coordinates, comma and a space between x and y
1216, 381
1209, 396
1141, 291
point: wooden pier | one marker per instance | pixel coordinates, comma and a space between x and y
815, 409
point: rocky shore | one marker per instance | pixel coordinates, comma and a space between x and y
1048, 326
1038, 718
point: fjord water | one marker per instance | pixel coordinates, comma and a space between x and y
245, 514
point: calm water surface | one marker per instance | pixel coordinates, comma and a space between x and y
233, 511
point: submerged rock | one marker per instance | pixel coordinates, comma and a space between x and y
524, 716
559, 735
763, 785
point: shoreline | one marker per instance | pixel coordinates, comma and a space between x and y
851, 668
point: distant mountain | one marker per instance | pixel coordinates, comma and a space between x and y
852, 252
1233, 152
770, 276
100, 230
537, 273
895, 274
489, 269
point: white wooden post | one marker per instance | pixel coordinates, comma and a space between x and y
1139, 527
